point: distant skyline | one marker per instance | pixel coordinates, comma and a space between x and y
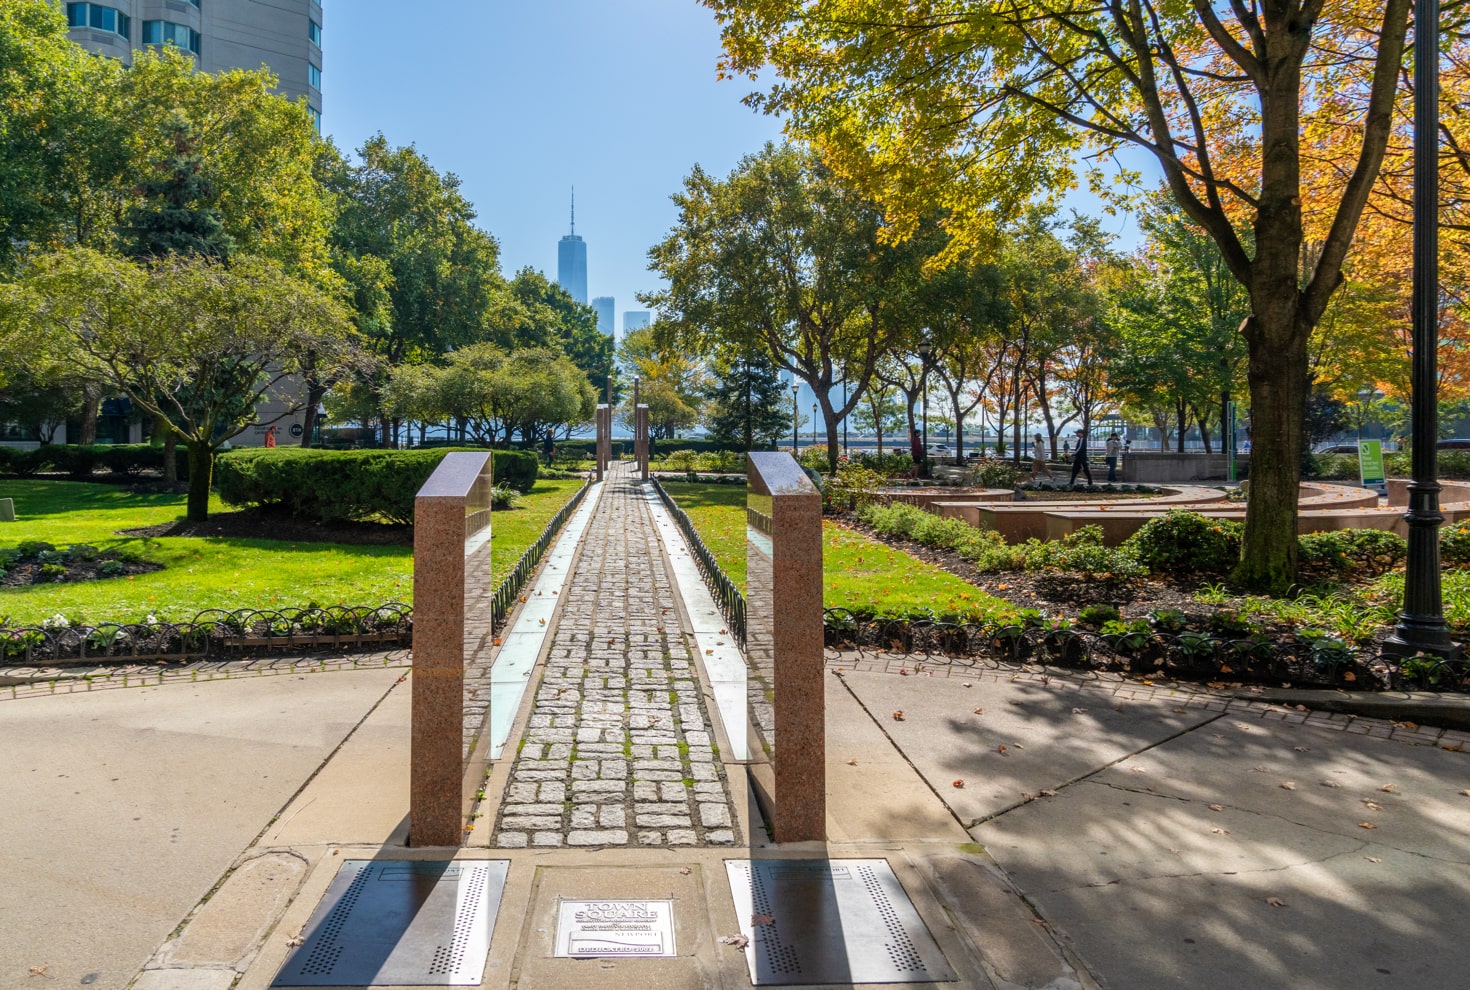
525, 101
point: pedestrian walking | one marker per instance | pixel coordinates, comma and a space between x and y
1038, 459
1111, 450
548, 450
1079, 460
270, 437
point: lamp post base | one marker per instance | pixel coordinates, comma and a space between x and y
1426, 635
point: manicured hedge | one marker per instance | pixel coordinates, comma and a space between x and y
84, 460
333, 485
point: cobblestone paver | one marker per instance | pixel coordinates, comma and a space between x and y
619, 749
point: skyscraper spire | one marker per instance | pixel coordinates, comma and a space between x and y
574, 209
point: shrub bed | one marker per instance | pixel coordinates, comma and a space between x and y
83, 460
333, 485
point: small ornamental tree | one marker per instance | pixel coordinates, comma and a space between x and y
194, 342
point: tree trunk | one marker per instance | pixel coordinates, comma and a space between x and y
1277, 378
201, 474
91, 409
315, 391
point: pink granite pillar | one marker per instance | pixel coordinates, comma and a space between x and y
450, 546
640, 441
784, 642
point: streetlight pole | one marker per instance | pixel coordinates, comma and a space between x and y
1421, 627
814, 424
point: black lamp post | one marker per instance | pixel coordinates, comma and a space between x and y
925, 350
1421, 626
814, 424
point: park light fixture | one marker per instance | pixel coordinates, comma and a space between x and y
1421, 627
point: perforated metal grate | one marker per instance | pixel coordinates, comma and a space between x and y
831, 921
400, 923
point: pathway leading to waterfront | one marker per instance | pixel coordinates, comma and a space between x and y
619, 749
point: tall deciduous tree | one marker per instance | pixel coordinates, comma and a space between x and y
782, 249
436, 273
970, 104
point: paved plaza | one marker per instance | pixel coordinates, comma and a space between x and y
176, 829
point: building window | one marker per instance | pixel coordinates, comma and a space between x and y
314, 32
316, 118
95, 15
314, 75
169, 33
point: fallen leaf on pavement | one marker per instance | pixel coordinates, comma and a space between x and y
979, 711
1389, 788
1372, 805
1217, 807
685, 871
739, 941
1303, 749
1048, 793
852, 762
957, 783
967, 685
1373, 859
898, 715
1366, 825
39, 970
1261, 769
1220, 831
1465, 793
1001, 749
1138, 769
1330, 783
1288, 785
1275, 902
1079, 711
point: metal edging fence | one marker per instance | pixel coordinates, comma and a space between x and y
212, 632
509, 591
727, 596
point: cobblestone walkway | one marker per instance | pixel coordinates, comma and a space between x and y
618, 750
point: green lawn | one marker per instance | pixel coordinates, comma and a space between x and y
860, 574
215, 572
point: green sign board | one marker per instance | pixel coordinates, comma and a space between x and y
1370, 464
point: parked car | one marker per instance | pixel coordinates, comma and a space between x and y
1336, 448
1458, 443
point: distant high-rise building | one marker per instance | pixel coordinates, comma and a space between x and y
285, 35
604, 307
571, 260
634, 319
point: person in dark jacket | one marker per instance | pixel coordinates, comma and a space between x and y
1079, 460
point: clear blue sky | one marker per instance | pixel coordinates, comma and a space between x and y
522, 99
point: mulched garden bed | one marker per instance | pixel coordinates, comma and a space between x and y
60, 567
263, 524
